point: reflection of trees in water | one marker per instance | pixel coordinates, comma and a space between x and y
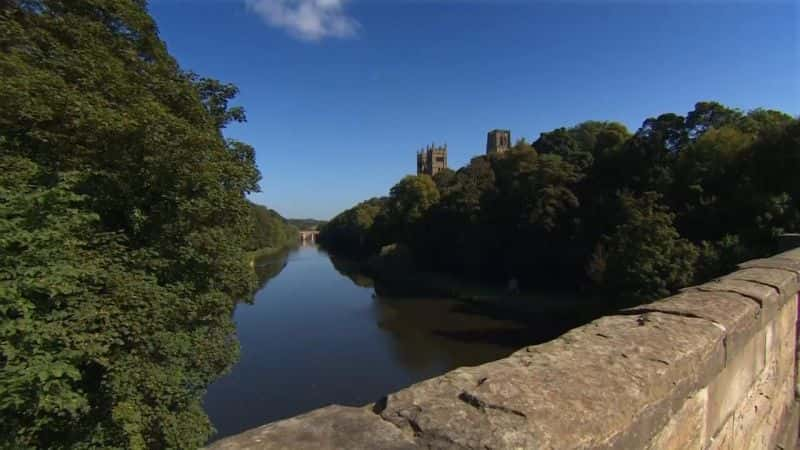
442, 334
352, 270
268, 267
431, 335
418, 327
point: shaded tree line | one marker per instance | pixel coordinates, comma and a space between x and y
634, 216
123, 230
269, 230
306, 224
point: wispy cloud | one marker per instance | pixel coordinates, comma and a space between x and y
310, 20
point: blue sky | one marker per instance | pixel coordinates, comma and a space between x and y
340, 94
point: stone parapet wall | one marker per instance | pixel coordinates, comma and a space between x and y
712, 367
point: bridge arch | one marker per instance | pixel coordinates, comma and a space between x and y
308, 236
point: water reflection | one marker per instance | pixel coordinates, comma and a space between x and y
350, 269
427, 334
450, 333
316, 334
434, 332
270, 266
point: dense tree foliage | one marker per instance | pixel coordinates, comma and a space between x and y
306, 224
123, 228
352, 231
644, 256
269, 229
634, 215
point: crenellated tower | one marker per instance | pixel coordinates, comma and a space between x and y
432, 160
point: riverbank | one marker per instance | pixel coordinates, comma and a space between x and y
268, 252
492, 300
394, 277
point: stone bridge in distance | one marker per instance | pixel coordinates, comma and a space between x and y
711, 368
308, 236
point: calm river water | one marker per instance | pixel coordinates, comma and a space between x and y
316, 336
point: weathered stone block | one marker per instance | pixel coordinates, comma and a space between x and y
766, 296
784, 281
739, 316
794, 254
687, 428
786, 438
333, 427
758, 420
723, 440
775, 262
784, 344
732, 384
755, 407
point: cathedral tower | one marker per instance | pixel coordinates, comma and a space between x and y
498, 141
431, 160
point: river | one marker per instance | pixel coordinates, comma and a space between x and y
316, 336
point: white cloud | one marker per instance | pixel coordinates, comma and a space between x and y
310, 20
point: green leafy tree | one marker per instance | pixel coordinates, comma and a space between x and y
411, 197
719, 257
561, 142
710, 115
522, 144
709, 178
269, 230
408, 201
215, 96
455, 236
51, 285
352, 231
531, 211
645, 257
124, 227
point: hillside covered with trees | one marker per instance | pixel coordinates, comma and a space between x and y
270, 232
123, 231
631, 215
307, 224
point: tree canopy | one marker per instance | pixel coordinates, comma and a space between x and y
269, 230
123, 230
631, 215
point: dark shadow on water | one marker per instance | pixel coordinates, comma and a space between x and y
269, 267
351, 269
428, 338
536, 324
517, 321
510, 338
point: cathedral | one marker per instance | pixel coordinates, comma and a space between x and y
433, 159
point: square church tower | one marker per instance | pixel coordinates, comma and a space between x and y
431, 160
498, 141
